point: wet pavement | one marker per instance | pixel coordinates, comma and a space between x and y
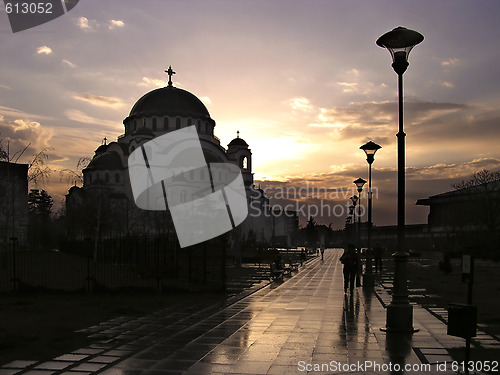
303, 325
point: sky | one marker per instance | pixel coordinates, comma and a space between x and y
303, 82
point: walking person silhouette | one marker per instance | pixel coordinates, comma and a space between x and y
350, 261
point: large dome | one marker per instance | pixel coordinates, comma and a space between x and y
169, 101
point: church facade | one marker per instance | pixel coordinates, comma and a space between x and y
104, 205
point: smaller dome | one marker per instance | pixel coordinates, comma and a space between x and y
101, 149
237, 141
107, 160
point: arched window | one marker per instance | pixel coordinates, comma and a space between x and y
106, 177
154, 124
177, 123
244, 163
165, 123
135, 125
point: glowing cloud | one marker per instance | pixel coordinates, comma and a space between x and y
450, 62
44, 50
300, 104
83, 23
113, 24
100, 101
146, 81
68, 63
79, 116
448, 84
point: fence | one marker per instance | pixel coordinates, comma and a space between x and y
120, 263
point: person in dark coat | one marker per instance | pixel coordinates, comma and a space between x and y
350, 261
378, 251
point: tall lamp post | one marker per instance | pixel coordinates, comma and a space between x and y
370, 148
400, 42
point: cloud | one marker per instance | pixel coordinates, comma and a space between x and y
450, 62
100, 101
69, 63
113, 24
85, 24
82, 117
44, 50
300, 104
20, 133
348, 86
16, 113
148, 82
448, 84
362, 118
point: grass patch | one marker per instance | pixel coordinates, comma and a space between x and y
41, 326
443, 289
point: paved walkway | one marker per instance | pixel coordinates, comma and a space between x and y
303, 325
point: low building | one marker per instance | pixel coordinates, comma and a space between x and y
468, 217
13, 203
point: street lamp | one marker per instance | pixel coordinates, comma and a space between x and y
370, 148
359, 184
400, 42
354, 200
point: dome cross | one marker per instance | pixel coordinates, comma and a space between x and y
170, 73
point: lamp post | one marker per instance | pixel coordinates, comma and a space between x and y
359, 185
400, 42
354, 200
370, 148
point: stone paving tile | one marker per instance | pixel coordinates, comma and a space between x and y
4, 371
53, 365
19, 364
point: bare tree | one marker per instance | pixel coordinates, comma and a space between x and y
75, 176
38, 171
478, 178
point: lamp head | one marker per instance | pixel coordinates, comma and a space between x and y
370, 148
359, 183
400, 42
354, 200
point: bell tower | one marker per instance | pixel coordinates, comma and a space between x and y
239, 154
